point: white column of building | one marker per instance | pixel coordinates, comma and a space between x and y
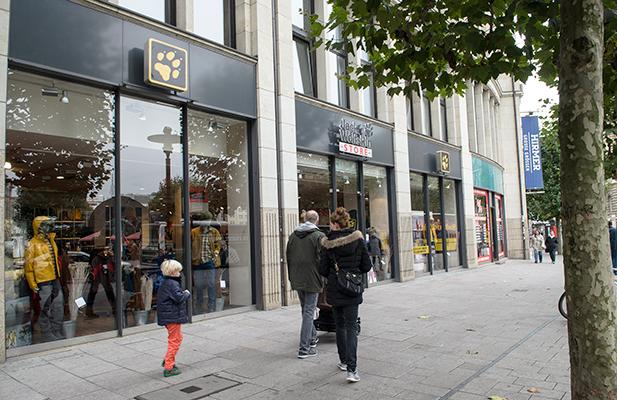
398, 115
467, 118
262, 46
480, 114
4, 51
287, 128
514, 180
472, 131
497, 149
488, 131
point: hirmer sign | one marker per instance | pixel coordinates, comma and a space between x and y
532, 154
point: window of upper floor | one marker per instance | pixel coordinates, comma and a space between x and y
210, 19
300, 12
368, 95
304, 70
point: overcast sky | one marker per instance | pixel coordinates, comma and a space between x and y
533, 94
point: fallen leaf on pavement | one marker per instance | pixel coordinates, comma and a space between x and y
424, 317
497, 398
470, 330
533, 390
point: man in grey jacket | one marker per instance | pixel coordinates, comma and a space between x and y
303, 251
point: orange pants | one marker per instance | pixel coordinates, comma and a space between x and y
174, 339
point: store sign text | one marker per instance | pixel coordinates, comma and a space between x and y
355, 138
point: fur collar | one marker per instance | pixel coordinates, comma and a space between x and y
341, 241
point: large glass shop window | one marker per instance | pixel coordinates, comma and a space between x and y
482, 228
347, 189
452, 230
151, 181
377, 222
219, 210
501, 248
314, 190
434, 208
59, 190
420, 244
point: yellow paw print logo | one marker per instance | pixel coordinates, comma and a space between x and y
168, 65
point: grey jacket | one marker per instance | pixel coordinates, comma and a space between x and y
303, 254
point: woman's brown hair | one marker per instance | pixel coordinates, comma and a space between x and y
340, 216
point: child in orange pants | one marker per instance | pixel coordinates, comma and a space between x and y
171, 312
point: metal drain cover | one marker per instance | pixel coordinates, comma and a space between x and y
191, 390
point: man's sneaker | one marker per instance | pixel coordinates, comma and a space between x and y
342, 366
171, 372
306, 354
353, 376
314, 343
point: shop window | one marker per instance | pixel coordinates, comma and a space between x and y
369, 96
434, 208
213, 19
420, 243
443, 126
303, 67
453, 234
501, 237
377, 223
59, 186
161, 10
482, 226
338, 92
300, 11
314, 190
219, 212
347, 191
151, 180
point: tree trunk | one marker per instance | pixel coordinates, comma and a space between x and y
592, 321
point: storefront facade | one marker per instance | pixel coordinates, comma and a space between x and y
346, 160
436, 205
489, 221
132, 147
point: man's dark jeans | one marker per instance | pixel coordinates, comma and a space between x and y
346, 319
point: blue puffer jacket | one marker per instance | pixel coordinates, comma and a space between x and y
171, 302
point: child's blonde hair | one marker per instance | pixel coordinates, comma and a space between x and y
170, 267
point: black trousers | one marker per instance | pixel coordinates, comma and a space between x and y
346, 319
107, 280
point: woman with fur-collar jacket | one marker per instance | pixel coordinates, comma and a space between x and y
345, 247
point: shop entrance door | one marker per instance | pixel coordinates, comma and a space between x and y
348, 190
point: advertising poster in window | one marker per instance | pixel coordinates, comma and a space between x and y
482, 226
420, 246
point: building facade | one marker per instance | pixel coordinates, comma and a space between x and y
136, 131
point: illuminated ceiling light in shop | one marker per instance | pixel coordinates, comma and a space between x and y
300, 175
65, 97
378, 182
7, 165
346, 180
51, 92
59, 177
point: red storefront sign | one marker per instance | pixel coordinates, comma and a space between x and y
355, 150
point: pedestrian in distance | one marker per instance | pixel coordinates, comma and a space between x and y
612, 234
538, 246
344, 250
551, 246
171, 311
303, 251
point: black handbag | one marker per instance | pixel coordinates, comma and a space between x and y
349, 282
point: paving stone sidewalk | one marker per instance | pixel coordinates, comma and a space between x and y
465, 335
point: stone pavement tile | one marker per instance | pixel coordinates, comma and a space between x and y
99, 395
197, 370
380, 368
242, 354
540, 384
509, 395
506, 387
53, 382
411, 395
277, 380
23, 363
238, 392
146, 344
83, 365
466, 396
142, 363
15, 390
480, 385
189, 355
129, 392
119, 378
549, 394
61, 353
109, 351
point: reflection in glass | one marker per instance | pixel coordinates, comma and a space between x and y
219, 209
377, 222
303, 78
453, 234
427, 123
212, 20
501, 244
150, 8
300, 9
434, 209
151, 180
59, 144
420, 244
347, 189
367, 95
314, 186
341, 70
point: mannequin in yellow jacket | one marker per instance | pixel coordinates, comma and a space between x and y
205, 254
42, 271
